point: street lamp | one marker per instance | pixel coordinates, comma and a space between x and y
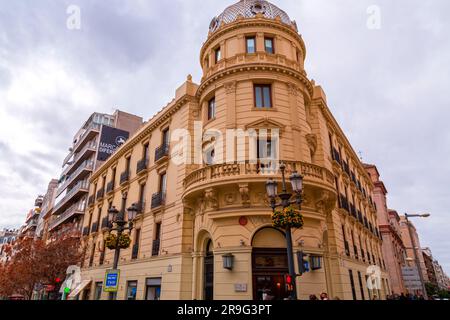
416, 257
117, 218
285, 197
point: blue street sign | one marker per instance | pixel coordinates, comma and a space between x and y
111, 280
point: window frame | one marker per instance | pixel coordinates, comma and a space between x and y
262, 86
254, 44
217, 54
211, 114
272, 40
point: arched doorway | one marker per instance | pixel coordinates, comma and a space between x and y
208, 272
269, 264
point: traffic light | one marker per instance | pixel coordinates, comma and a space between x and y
303, 262
289, 282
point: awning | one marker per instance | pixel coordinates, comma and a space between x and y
78, 289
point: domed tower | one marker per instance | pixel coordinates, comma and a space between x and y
254, 111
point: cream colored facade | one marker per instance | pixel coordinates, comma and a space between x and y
209, 211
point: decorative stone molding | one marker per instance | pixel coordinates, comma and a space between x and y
293, 89
312, 142
245, 194
211, 199
230, 87
230, 199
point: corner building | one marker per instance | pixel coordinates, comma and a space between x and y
193, 215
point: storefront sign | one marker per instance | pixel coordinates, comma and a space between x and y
240, 287
111, 280
110, 140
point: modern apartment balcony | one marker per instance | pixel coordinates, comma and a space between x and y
74, 210
110, 187
124, 177
161, 152
141, 166
88, 150
155, 247
158, 199
91, 132
314, 177
79, 174
81, 188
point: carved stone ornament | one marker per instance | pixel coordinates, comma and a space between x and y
230, 87
312, 142
211, 199
245, 194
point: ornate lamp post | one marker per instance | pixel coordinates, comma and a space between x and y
416, 258
117, 218
285, 197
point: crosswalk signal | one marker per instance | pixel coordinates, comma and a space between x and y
289, 282
303, 262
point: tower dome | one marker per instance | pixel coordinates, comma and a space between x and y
249, 9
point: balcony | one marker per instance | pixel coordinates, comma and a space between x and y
110, 187
161, 152
85, 231
105, 224
80, 173
336, 156
158, 199
141, 207
135, 252
74, 210
230, 174
85, 153
343, 203
100, 194
94, 227
141, 166
155, 247
346, 167
124, 177
91, 200
91, 131
82, 187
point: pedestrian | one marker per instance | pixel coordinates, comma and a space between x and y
312, 297
323, 296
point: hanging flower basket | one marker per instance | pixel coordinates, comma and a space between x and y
111, 241
124, 241
287, 217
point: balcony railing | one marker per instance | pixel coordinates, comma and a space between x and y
105, 223
92, 127
77, 208
135, 252
124, 177
110, 187
336, 156
94, 227
158, 199
100, 193
87, 165
155, 247
141, 207
80, 186
161, 152
343, 202
85, 231
346, 167
141, 166
91, 200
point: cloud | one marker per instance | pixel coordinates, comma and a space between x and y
387, 88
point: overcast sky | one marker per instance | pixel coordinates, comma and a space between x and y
388, 87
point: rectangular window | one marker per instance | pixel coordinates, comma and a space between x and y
212, 108
113, 177
352, 283
127, 164
263, 96
251, 44
165, 137
268, 43
145, 152
141, 197
135, 250
131, 290
98, 290
266, 149
361, 286
163, 183
153, 289
217, 55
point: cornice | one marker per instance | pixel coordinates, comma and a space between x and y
252, 67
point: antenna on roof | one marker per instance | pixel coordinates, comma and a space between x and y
360, 155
